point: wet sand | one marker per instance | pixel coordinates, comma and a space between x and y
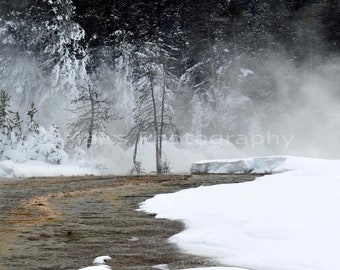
63, 223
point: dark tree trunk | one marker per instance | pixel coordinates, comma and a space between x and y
90, 131
155, 122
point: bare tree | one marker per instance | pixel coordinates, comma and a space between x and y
153, 112
91, 114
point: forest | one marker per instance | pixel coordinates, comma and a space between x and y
80, 74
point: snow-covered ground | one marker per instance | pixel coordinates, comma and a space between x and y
284, 221
35, 168
109, 158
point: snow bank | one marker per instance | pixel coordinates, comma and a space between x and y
235, 166
33, 168
285, 221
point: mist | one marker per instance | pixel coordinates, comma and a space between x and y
306, 109
233, 80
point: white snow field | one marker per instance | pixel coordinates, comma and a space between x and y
283, 221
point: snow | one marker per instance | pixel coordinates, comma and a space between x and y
119, 161
283, 221
34, 168
216, 268
189, 151
161, 266
105, 157
246, 72
99, 263
235, 166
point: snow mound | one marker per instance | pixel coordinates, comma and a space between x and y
238, 166
34, 168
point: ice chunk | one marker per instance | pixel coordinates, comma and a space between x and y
232, 166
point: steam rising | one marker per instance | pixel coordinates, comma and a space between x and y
307, 108
302, 117
271, 105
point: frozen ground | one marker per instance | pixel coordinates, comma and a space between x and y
284, 221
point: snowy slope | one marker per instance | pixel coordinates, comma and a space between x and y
284, 221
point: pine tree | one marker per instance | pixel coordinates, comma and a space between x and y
51, 146
5, 122
42, 54
11, 133
32, 126
58, 43
123, 91
17, 128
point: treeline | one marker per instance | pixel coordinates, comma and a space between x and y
159, 67
22, 138
296, 26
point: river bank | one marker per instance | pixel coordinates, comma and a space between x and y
63, 223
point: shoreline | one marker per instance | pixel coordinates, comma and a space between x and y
78, 218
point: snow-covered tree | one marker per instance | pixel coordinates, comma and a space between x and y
123, 75
42, 54
91, 112
50, 147
57, 42
153, 112
20, 73
5, 121
11, 134
32, 125
41, 144
31, 142
206, 85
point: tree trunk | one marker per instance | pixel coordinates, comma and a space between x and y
162, 116
90, 131
158, 160
136, 147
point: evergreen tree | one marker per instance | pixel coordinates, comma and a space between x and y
50, 147
42, 53
17, 131
58, 44
11, 133
5, 121
123, 90
33, 126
